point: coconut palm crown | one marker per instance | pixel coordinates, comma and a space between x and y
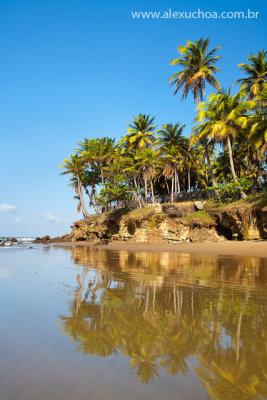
140, 132
197, 68
256, 74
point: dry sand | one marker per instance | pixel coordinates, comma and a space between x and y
244, 248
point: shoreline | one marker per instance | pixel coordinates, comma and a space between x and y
230, 248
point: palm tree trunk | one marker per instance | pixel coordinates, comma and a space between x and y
207, 155
175, 181
152, 191
231, 158
167, 185
172, 189
102, 174
243, 195
80, 189
189, 180
145, 189
178, 182
138, 192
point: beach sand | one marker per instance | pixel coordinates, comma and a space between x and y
235, 248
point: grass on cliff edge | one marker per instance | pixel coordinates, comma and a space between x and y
139, 214
200, 218
252, 201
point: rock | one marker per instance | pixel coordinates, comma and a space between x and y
199, 205
244, 223
205, 235
174, 231
62, 239
2, 244
235, 236
167, 223
13, 240
44, 239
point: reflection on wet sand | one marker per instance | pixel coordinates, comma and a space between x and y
160, 309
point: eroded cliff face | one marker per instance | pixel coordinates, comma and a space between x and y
242, 222
174, 224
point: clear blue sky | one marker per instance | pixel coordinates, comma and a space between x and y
74, 69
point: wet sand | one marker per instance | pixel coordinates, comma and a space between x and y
244, 248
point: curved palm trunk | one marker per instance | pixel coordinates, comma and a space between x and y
177, 188
172, 189
178, 182
189, 180
138, 193
167, 185
146, 196
207, 155
102, 174
152, 191
229, 145
80, 188
243, 195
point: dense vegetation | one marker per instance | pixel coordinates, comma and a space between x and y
225, 154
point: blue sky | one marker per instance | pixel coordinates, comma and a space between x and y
74, 69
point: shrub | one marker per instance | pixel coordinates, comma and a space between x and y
231, 191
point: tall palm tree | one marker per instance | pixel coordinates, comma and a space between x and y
258, 122
148, 160
98, 151
173, 159
200, 133
140, 132
172, 135
75, 166
197, 68
256, 74
222, 119
89, 181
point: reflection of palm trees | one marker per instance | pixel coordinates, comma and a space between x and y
158, 317
144, 360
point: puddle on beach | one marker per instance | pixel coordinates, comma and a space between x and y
81, 322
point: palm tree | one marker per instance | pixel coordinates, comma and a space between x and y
148, 160
88, 180
172, 135
75, 167
256, 73
197, 68
200, 134
140, 132
222, 119
97, 152
172, 160
258, 121
133, 173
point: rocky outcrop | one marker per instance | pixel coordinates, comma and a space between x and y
171, 223
242, 223
96, 228
164, 224
59, 239
44, 239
